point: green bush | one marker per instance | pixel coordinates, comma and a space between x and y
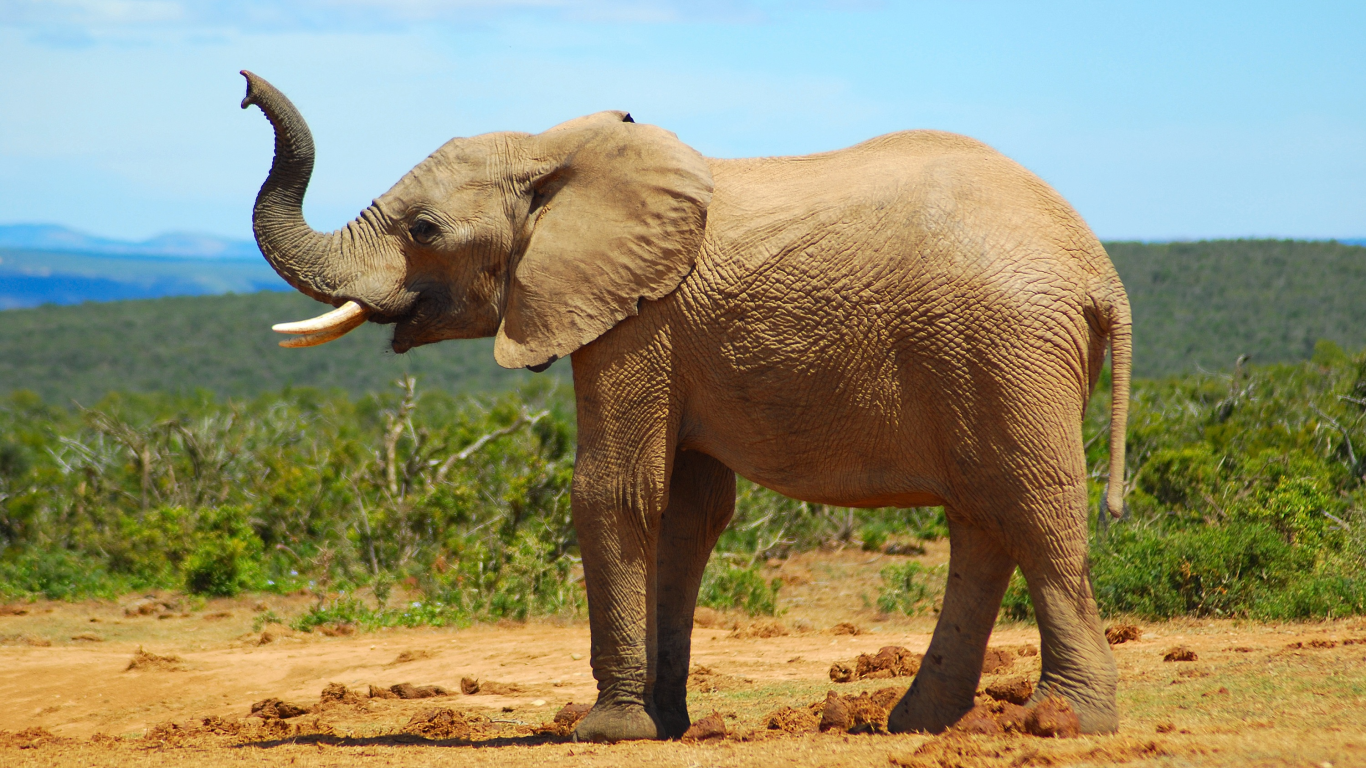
1016, 605
726, 586
909, 588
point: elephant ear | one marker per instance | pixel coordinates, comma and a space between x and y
617, 217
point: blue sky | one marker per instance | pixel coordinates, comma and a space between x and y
1157, 120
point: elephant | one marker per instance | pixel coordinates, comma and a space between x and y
912, 321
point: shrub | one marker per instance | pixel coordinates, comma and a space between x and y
908, 588
726, 586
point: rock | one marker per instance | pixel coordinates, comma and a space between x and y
1180, 653
712, 726
1015, 691
1053, 718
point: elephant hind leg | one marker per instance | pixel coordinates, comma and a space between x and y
943, 689
1077, 662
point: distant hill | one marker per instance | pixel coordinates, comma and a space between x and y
1195, 305
183, 245
47, 264
1200, 305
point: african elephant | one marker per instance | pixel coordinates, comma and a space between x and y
913, 321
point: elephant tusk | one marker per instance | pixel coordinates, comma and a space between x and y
323, 328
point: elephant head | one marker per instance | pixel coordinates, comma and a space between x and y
545, 240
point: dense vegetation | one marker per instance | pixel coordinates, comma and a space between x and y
1202, 305
1197, 306
222, 344
1245, 499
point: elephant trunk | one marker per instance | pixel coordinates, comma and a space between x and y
349, 267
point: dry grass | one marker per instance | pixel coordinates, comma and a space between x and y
1256, 695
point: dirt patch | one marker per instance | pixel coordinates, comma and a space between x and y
407, 657
760, 630
1122, 633
710, 618
471, 686
10, 609
87, 637
29, 640
712, 726
1180, 653
707, 680
143, 661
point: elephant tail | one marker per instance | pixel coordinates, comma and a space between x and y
1121, 366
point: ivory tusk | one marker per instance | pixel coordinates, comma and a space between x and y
348, 315
323, 328
314, 339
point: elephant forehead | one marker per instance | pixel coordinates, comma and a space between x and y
459, 168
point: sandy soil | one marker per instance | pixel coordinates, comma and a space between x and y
1255, 694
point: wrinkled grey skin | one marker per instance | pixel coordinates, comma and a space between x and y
915, 320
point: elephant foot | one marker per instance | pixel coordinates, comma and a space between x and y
1094, 716
914, 714
611, 723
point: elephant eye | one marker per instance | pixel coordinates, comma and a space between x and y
423, 231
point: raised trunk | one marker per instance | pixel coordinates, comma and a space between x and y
330, 267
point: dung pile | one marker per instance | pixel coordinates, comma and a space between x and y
151, 662
711, 727
890, 661
29, 738
1051, 718
443, 724
471, 686
1122, 633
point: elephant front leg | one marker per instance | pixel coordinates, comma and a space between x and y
617, 537
701, 502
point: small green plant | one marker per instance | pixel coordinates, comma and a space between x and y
1016, 605
908, 588
873, 537
726, 586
